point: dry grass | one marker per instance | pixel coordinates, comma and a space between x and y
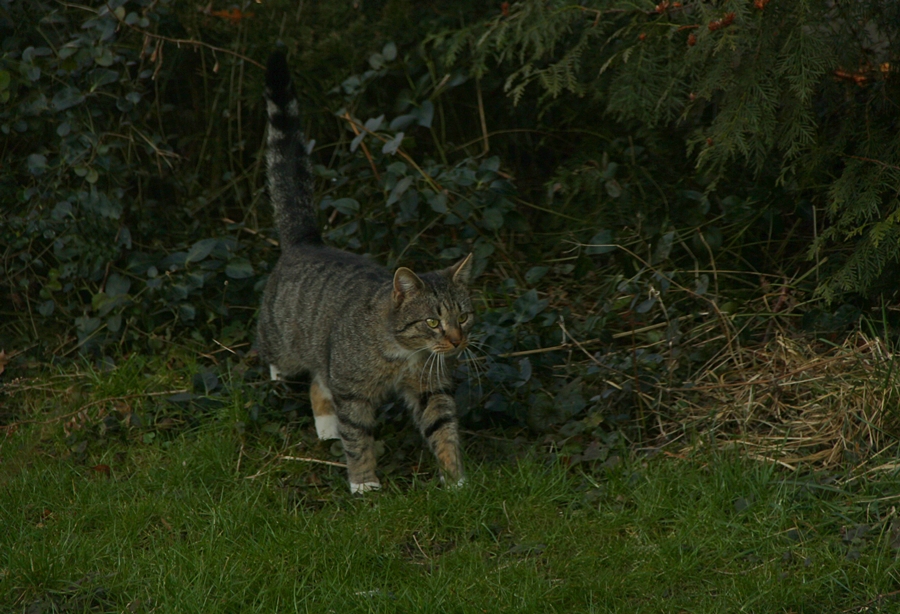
796, 401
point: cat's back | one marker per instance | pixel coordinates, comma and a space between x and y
328, 266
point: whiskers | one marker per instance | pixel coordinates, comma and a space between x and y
473, 363
434, 372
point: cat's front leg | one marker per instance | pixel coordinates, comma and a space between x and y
356, 426
435, 415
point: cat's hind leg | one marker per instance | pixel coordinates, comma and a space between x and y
323, 410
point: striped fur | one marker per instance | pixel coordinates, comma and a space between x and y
363, 333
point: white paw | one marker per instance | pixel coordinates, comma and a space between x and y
459, 483
364, 487
327, 427
274, 373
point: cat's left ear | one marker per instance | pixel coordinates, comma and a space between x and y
461, 272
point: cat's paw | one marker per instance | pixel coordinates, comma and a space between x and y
274, 373
364, 487
327, 427
453, 484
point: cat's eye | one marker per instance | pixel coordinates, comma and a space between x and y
463, 317
432, 322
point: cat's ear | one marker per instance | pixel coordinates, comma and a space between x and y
461, 272
406, 284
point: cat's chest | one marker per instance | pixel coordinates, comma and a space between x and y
408, 373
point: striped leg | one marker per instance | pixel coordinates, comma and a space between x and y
435, 415
356, 426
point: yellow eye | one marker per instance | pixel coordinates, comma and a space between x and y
463, 317
432, 322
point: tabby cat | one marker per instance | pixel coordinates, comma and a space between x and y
361, 332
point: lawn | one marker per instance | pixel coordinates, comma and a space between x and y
188, 502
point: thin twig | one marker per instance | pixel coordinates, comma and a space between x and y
185, 41
312, 460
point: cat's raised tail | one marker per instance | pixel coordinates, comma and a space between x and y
290, 173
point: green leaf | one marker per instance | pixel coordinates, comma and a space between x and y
402, 122
393, 145
200, 250
347, 206
535, 274
438, 202
425, 114
117, 285
239, 268
399, 189
493, 219
569, 400
389, 51
105, 57
374, 123
376, 61
600, 243
37, 164
663, 247
102, 76
66, 98
528, 306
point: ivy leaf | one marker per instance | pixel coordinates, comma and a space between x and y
535, 274
399, 189
205, 382
102, 76
374, 123
393, 145
569, 399
239, 268
105, 57
66, 98
117, 285
528, 306
389, 52
425, 114
600, 243
376, 61
200, 250
37, 164
664, 247
346, 206
359, 138
702, 285
493, 219
402, 122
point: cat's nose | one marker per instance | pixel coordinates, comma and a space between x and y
454, 336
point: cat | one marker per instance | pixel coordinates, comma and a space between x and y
361, 332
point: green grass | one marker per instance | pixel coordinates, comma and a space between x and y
180, 525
